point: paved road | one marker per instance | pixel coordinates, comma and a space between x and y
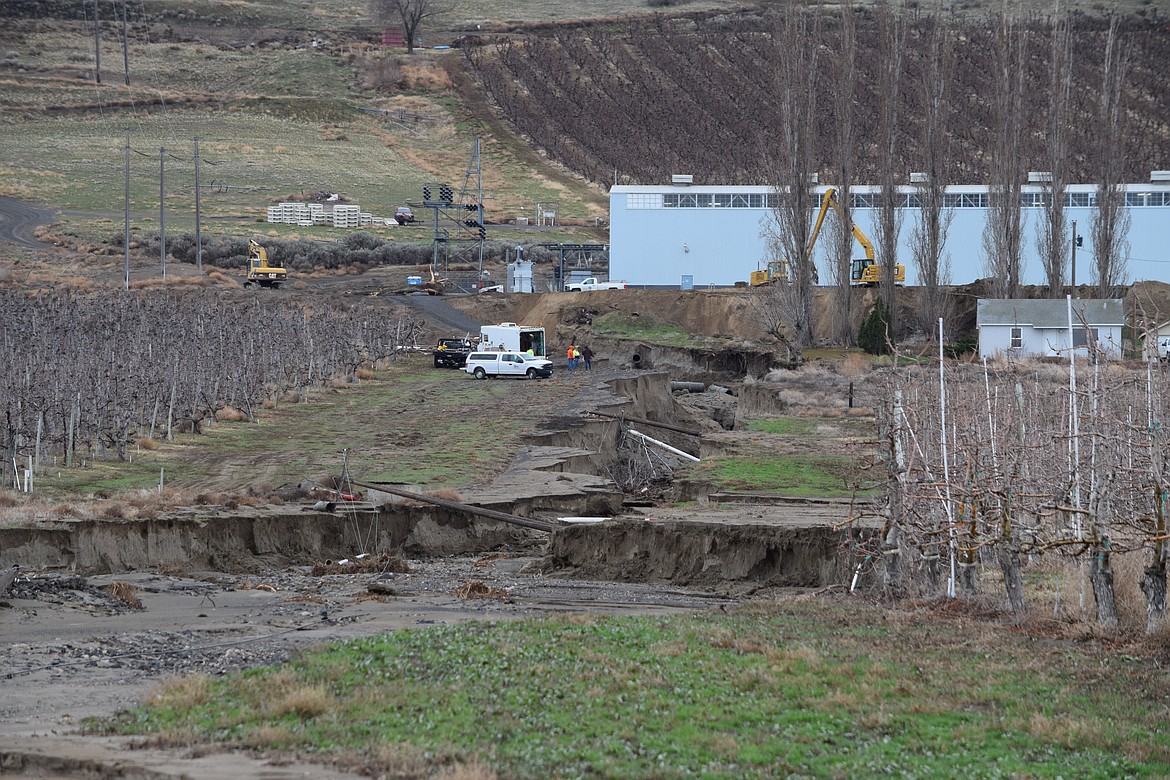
18, 220
435, 310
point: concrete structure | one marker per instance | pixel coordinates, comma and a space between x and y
716, 234
1040, 328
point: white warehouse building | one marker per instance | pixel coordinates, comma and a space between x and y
683, 234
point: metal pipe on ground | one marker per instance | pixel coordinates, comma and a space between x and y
471, 509
663, 445
690, 387
640, 421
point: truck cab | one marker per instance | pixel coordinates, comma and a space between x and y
452, 353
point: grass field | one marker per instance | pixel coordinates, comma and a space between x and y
772, 690
411, 423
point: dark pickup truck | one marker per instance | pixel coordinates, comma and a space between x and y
452, 353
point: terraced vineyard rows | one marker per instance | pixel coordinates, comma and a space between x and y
701, 96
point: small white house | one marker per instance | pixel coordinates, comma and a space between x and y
1156, 345
1040, 328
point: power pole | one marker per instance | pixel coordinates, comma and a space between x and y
162, 212
198, 235
97, 45
125, 44
126, 216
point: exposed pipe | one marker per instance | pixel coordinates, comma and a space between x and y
663, 445
675, 428
471, 509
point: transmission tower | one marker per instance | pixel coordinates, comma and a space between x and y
459, 230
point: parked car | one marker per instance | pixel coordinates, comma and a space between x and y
481, 365
404, 215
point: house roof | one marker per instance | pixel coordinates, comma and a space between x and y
1049, 313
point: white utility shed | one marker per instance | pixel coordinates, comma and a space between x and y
1157, 344
1040, 328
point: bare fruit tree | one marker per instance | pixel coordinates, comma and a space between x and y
929, 235
92, 374
1002, 236
845, 143
412, 15
1052, 240
1111, 220
1012, 461
893, 31
791, 174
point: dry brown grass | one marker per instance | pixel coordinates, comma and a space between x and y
113, 511
230, 414
304, 700
364, 373
147, 443
1072, 595
181, 692
471, 771
478, 589
268, 737
446, 494
124, 592
1070, 733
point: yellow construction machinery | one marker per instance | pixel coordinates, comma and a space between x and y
864, 272
776, 272
260, 271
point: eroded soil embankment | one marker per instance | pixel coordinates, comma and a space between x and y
245, 543
701, 554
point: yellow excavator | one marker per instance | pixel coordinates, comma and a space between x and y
864, 272
260, 271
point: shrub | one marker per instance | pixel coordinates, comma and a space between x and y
874, 336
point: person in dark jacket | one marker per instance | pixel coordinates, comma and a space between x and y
587, 356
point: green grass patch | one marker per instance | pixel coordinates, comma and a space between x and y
643, 328
808, 690
784, 426
794, 475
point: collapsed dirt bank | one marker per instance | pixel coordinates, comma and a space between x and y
220, 591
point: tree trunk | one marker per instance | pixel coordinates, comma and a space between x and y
1154, 586
1101, 578
1008, 553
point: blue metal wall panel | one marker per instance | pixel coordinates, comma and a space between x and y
722, 246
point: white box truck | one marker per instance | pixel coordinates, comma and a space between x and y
510, 337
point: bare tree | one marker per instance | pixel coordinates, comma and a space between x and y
929, 235
1111, 220
1052, 241
1002, 236
791, 174
892, 28
845, 147
411, 14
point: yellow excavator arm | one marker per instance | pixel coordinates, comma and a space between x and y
865, 271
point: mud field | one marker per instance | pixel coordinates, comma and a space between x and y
104, 610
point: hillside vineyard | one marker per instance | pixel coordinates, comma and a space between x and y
705, 95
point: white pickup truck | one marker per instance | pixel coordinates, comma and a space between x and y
592, 284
